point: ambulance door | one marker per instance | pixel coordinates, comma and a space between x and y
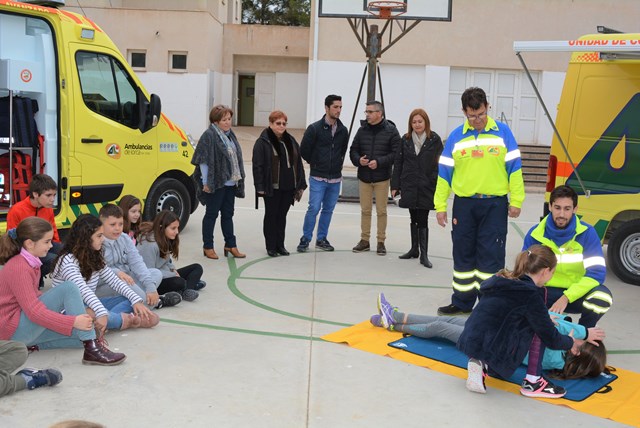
107, 141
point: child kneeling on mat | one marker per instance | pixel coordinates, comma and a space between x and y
510, 319
590, 363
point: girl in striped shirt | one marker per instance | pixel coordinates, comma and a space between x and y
82, 263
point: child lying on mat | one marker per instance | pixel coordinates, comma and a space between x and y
588, 358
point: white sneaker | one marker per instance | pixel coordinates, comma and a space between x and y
475, 376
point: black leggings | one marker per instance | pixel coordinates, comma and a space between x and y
188, 278
419, 217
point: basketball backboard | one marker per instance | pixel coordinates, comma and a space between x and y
420, 10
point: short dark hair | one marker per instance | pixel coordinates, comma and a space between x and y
218, 113
328, 102
564, 191
378, 105
40, 183
474, 97
110, 210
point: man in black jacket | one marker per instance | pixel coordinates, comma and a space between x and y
373, 151
323, 146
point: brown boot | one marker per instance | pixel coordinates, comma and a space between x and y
97, 353
210, 253
234, 252
152, 321
129, 321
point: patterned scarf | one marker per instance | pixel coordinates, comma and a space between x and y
231, 151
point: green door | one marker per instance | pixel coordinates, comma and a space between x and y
246, 97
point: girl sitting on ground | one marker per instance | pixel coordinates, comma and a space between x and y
35, 318
132, 210
81, 262
159, 242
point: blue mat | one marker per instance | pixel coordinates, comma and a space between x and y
446, 352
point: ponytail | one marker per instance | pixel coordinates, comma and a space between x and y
532, 260
11, 243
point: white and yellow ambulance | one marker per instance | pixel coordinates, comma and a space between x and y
596, 148
103, 135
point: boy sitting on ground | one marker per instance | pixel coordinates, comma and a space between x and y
121, 255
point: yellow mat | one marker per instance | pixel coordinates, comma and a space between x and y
621, 404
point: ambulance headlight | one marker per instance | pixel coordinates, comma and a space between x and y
192, 141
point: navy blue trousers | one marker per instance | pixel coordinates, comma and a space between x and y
479, 233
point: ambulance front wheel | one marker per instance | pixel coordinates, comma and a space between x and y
624, 252
168, 194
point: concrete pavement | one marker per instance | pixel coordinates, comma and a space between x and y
247, 353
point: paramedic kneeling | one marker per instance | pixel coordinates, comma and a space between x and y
577, 284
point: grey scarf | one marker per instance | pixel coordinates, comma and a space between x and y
233, 155
418, 140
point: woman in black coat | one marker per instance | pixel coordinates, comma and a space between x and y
415, 174
278, 175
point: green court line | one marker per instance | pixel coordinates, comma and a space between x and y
241, 330
381, 284
236, 272
312, 338
517, 228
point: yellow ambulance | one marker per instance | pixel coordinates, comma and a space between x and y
101, 135
596, 148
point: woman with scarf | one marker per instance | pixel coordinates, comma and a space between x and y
278, 176
218, 160
415, 174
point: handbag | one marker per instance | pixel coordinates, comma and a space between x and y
240, 189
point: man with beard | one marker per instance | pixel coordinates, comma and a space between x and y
577, 284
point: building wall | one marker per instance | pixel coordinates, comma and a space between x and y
416, 71
280, 55
162, 26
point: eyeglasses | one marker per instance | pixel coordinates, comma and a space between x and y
371, 111
477, 116
280, 123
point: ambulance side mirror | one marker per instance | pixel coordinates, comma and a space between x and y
149, 111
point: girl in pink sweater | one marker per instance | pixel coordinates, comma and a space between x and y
35, 318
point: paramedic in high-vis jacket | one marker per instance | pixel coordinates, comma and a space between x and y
577, 284
480, 164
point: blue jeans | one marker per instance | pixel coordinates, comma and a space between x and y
65, 296
221, 201
321, 195
116, 305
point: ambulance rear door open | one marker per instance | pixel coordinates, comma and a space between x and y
28, 69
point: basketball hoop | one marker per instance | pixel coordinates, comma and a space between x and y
386, 9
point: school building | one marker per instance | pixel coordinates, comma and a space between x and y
196, 53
